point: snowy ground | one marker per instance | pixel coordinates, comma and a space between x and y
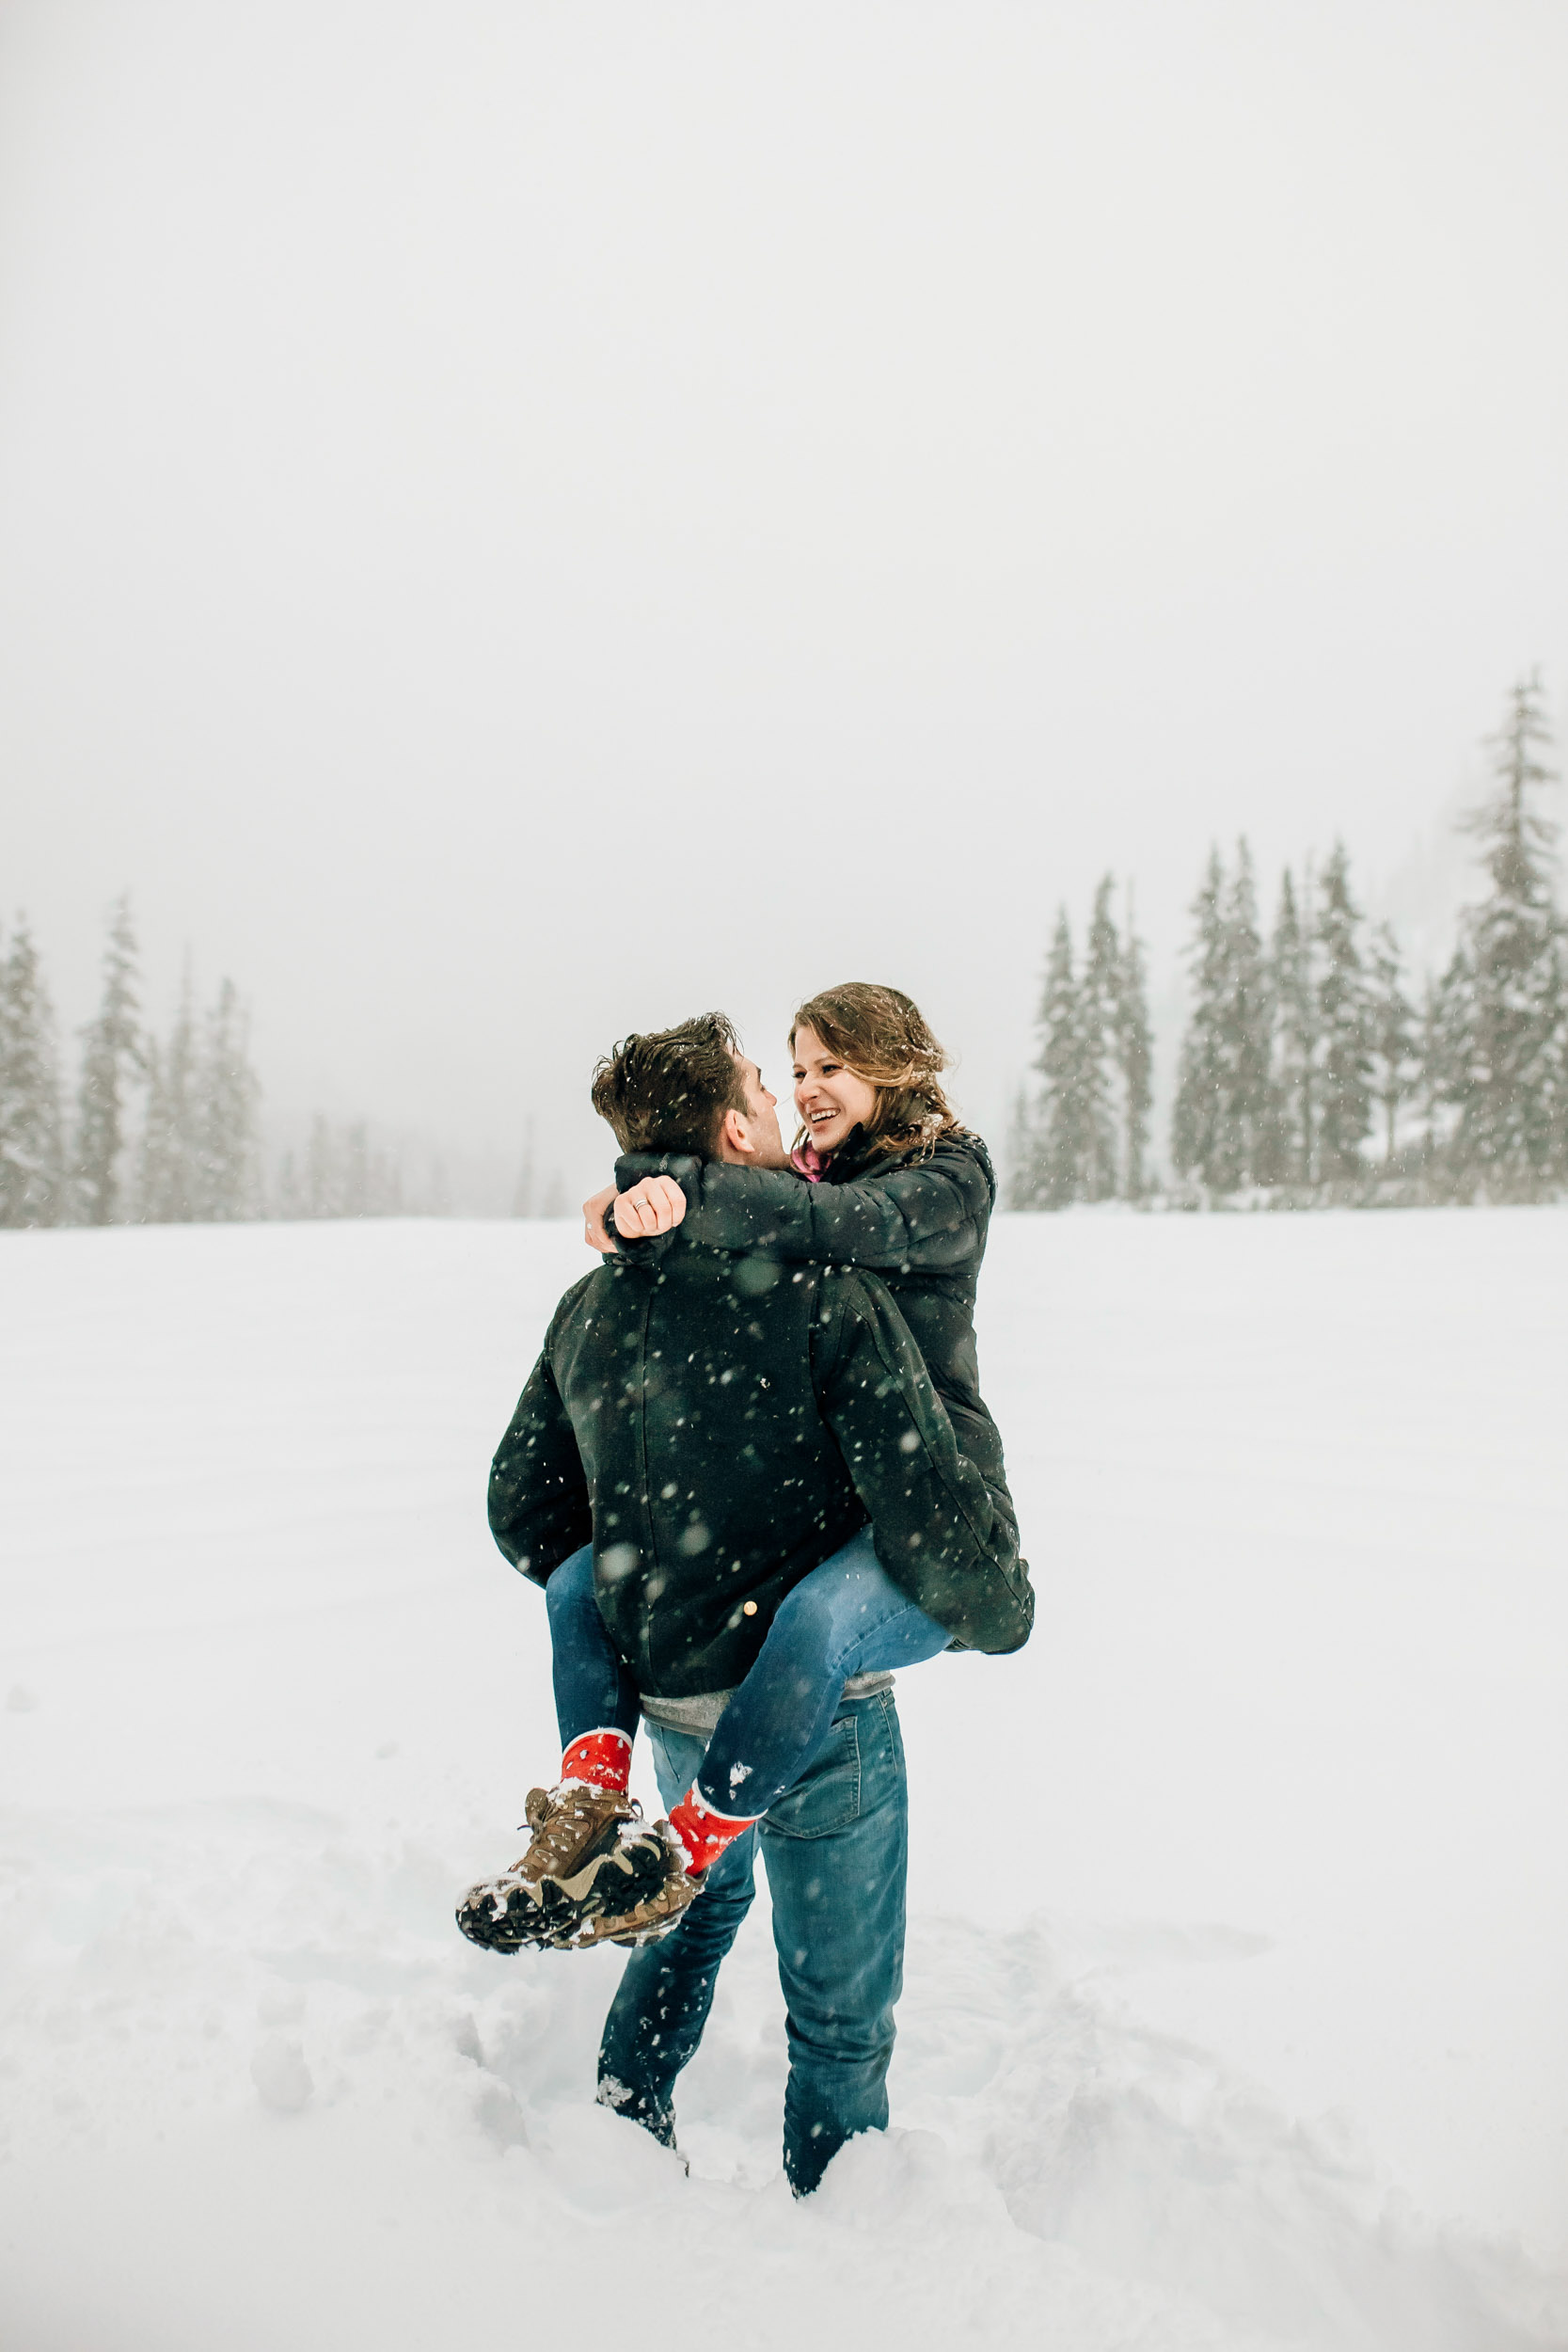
1242, 2025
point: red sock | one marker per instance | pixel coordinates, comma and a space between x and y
703, 1832
603, 1758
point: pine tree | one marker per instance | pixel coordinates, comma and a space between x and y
227, 1191
1293, 1004
1063, 1145
1023, 1155
1092, 1112
111, 1057
1509, 988
1433, 1087
1344, 1059
1248, 1105
1223, 1104
345, 1174
1135, 1061
32, 1177
170, 1175
1197, 1116
1446, 1051
1391, 1037
1097, 1035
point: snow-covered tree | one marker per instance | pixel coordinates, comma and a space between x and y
1434, 1090
1508, 988
1447, 1043
227, 1187
32, 1176
1392, 1039
1098, 998
1223, 1108
1344, 1110
1197, 1118
1085, 1135
346, 1172
111, 1061
1135, 1054
170, 1178
1294, 1007
1022, 1154
1059, 1164
1249, 1106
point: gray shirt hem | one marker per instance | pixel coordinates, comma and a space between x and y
699, 1713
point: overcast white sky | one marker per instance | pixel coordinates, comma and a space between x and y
519, 522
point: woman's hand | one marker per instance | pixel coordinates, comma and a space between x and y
594, 1231
656, 1205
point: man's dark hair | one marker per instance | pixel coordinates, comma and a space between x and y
669, 1091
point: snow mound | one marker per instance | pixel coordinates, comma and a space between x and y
235, 2027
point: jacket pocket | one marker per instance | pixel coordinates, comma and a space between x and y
827, 1796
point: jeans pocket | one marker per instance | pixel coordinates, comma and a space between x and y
827, 1796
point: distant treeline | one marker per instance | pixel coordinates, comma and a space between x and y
1308, 1074
166, 1130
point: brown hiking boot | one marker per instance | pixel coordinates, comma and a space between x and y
571, 1824
640, 1890
540, 1900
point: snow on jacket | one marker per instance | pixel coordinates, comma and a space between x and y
720, 1425
919, 1218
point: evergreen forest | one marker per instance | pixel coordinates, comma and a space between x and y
1313, 1071
159, 1130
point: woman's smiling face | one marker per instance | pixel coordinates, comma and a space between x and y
829, 1098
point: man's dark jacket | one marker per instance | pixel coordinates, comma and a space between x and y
719, 1424
919, 1218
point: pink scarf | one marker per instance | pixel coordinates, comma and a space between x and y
810, 1161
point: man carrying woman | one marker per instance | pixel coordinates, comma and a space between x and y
717, 1414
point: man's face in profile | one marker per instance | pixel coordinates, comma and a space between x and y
761, 1118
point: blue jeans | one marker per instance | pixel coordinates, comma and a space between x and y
593, 1685
847, 1617
837, 1850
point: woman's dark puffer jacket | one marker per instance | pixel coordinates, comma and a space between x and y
919, 1218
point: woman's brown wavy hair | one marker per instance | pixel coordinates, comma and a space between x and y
881, 1034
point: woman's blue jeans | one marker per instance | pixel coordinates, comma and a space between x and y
847, 1617
837, 1849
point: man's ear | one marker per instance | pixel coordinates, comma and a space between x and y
733, 1141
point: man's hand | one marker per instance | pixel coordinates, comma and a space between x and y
656, 1205
594, 1231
